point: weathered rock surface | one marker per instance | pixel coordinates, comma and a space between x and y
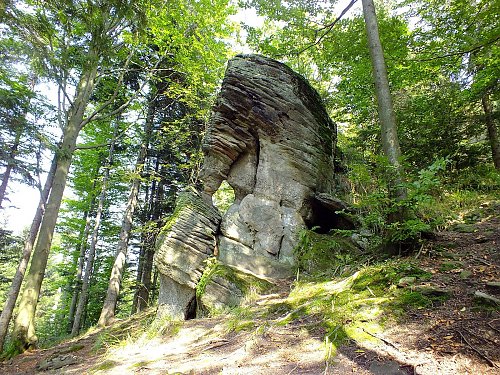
183, 246
272, 140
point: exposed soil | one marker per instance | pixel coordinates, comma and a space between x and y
458, 336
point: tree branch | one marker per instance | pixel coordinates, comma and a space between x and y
328, 28
460, 53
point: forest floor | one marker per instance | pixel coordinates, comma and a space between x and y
460, 335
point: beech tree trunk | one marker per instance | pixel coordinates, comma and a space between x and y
108, 309
387, 118
24, 336
15, 287
492, 130
82, 302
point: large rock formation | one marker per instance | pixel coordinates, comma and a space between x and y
272, 140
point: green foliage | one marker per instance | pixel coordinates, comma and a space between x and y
377, 209
210, 270
10, 252
223, 198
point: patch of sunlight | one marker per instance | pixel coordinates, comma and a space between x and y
314, 289
341, 286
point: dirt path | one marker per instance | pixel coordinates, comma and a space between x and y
458, 336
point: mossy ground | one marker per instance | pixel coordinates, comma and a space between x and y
323, 322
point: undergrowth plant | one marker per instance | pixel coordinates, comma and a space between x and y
378, 209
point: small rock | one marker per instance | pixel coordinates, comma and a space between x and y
431, 290
480, 239
405, 281
57, 362
465, 274
386, 368
486, 298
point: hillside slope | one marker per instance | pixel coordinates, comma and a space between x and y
423, 319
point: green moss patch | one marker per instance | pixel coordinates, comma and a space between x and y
357, 306
327, 254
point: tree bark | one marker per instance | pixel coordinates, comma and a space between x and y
492, 130
108, 310
82, 302
23, 263
138, 279
24, 336
387, 118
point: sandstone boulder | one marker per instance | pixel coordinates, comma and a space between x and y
272, 140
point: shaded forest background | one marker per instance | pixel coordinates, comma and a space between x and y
116, 96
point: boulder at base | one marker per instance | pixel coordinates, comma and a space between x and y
182, 249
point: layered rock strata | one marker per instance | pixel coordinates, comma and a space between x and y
272, 140
182, 248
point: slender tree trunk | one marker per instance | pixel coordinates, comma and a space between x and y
492, 130
390, 140
140, 264
10, 166
141, 296
23, 263
108, 310
79, 268
24, 328
154, 287
82, 302
145, 285
140, 267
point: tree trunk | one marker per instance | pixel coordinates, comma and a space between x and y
145, 285
141, 296
82, 302
79, 268
492, 130
23, 263
10, 166
154, 287
24, 335
140, 267
108, 309
390, 140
